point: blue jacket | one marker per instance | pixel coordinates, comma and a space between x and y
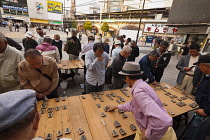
203, 95
145, 65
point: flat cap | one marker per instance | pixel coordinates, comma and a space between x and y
14, 106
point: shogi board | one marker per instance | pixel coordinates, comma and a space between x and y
71, 64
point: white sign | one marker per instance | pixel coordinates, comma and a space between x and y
159, 28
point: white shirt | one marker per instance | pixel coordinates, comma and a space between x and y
87, 47
193, 59
115, 52
170, 47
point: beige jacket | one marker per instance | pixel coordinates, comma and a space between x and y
8, 69
30, 78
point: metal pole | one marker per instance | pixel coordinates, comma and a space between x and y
142, 10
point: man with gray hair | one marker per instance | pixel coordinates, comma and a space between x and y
117, 79
135, 51
9, 59
145, 64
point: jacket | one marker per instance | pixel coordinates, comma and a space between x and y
29, 44
9, 60
134, 54
117, 65
73, 46
184, 62
59, 45
49, 50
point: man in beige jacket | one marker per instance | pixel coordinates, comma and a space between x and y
9, 59
39, 73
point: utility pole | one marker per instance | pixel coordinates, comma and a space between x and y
142, 10
0, 10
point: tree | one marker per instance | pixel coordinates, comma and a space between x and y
87, 25
105, 27
74, 25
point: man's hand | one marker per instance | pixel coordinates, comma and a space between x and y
155, 83
143, 137
40, 96
187, 69
100, 58
201, 112
112, 107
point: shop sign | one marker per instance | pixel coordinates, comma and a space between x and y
14, 8
55, 22
38, 20
54, 7
159, 28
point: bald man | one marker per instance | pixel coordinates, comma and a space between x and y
9, 59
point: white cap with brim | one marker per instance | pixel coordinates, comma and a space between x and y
131, 69
29, 34
117, 42
15, 106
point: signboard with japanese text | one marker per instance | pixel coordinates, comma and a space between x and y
54, 7
159, 28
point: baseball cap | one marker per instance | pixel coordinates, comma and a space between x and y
29, 34
203, 59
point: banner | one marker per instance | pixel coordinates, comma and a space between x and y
39, 20
54, 7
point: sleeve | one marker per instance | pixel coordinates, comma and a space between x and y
89, 63
24, 82
126, 107
165, 63
54, 77
23, 41
84, 47
147, 70
58, 59
158, 119
13, 43
116, 67
179, 65
137, 51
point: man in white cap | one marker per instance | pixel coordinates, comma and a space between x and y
117, 49
19, 118
9, 59
28, 42
151, 117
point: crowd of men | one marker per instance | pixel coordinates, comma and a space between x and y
36, 73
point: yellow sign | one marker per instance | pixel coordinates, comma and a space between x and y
38, 20
54, 7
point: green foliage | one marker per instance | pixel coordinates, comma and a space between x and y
74, 25
87, 25
105, 27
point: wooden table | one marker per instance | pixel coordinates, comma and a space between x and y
84, 114
71, 64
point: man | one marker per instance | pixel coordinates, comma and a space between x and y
10, 26
40, 36
39, 73
200, 125
172, 47
145, 65
135, 51
161, 63
88, 46
117, 79
117, 49
157, 43
151, 117
185, 49
187, 77
96, 62
19, 118
58, 43
28, 42
9, 59
73, 48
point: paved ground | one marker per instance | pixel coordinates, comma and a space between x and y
169, 77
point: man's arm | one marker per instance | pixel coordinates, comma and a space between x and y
89, 64
158, 120
79, 44
136, 51
179, 65
116, 67
24, 82
147, 70
13, 43
165, 63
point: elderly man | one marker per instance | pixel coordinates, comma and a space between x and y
88, 46
145, 64
200, 125
189, 74
96, 62
117, 49
39, 73
152, 119
135, 51
162, 62
29, 42
117, 79
19, 118
9, 59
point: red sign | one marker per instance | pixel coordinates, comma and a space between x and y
156, 29
174, 30
148, 29
165, 29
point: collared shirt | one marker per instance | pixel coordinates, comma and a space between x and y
115, 52
148, 111
87, 47
9, 60
193, 59
96, 69
30, 78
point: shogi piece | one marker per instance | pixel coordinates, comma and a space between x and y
124, 116
98, 105
133, 127
83, 137
80, 131
117, 124
57, 99
49, 136
114, 133
67, 131
59, 133
120, 111
122, 132
106, 108
103, 114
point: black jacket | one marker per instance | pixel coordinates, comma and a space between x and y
13, 43
59, 45
29, 44
117, 65
134, 53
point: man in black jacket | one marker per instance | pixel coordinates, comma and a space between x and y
161, 63
58, 43
28, 42
118, 62
135, 51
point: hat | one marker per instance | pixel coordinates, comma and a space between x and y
15, 105
29, 34
131, 68
203, 59
117, 42
91, 36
